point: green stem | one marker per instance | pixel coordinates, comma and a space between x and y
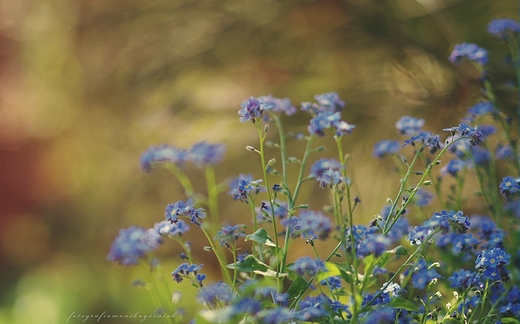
302, 168
212, 195
183, 179
151, 282
283, 155
223, 266
261, 136
416, 188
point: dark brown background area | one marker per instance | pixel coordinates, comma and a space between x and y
86, 86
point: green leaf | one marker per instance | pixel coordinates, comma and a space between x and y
400, 250
261, 236
332, 271
298, 287
249, 264
399, 302
509, 320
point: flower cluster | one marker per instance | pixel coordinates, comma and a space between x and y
398, 268
185, 209
327, 172
132, 244
201, 154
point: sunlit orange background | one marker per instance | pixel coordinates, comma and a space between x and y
87, 85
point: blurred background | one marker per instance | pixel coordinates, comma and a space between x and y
87, 85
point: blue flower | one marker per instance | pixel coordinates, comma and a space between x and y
329, 102
423, 197
215, 293
459, 219
501, 28
161, 154
454, 167
464, 130
427, 139
485, 225
133, 243
374, 244
492, 258
246, 305
327, 120
462, 279
314, 308
203, 154
407, 125
496, 240
230, 234
305, 266
509, 186
310, 225
421, 275
327, 172
334, 283
322, 121
242, 185
465, 243
184, 270
470, 51
278, 105
280, 211
385, 147
492, 264
278, 315
252, 109
482, 108
513, 207
504, 152
186, 209
171, 229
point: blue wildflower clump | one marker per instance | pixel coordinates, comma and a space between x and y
426, 139
327, 115
133, 244
503, 28
420, 259
203, 154
327, 172
310, 225
253, 109
408, 125
386, 147
243, 186
161, 154
509, 186
305, 266
492, 264
184, 271
469, 51
228, 235
218, 293
168, 228
184, 209
277, 105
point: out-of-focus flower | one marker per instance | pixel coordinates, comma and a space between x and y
501, 28
470, 51
407, 125
386, 147
161, 154
203, 154
133, 243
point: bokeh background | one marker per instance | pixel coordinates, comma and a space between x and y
87, 85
